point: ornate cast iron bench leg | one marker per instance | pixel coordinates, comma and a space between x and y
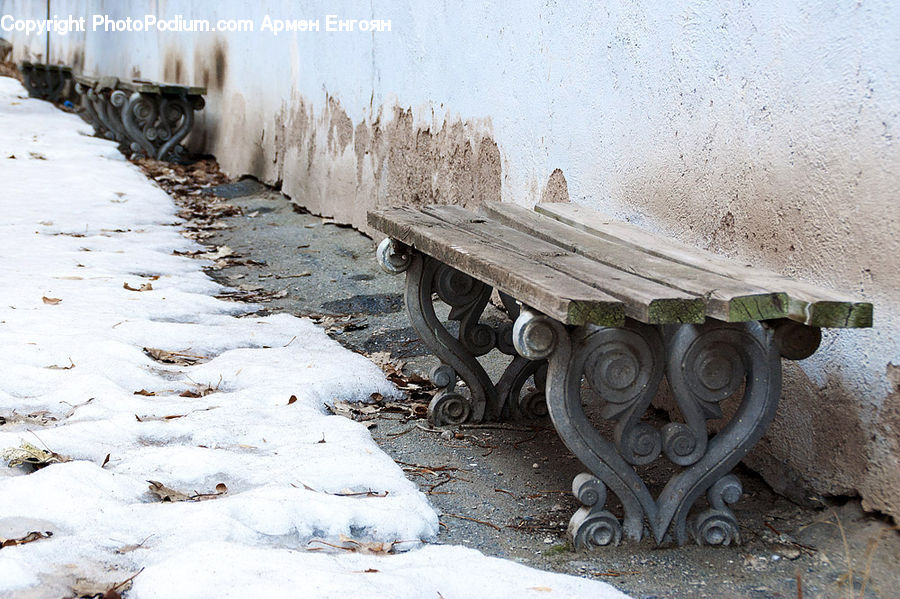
42, 82
467, 298
704, 364
88, 112
156, 123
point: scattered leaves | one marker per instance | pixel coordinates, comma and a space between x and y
52, 301
29, 538
57, 367
172, 357
29, 455
87, 589
354, 546
171, 416
167, 494
222, 251
418, 387
143, 287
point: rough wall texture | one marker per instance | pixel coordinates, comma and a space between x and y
764, 131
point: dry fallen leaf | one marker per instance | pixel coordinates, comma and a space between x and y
143, 287
222, 251
57, 367
170, 357
292, 399
354, 546
167, 494
51, 300
29, 455
145, 392
30, 537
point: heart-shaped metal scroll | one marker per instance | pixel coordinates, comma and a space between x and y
704, 364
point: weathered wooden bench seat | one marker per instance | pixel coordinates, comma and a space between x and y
146, 117
44, 81
590, 298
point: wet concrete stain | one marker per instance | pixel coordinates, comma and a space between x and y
380, 303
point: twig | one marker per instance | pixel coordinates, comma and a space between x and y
494, 526
519, 442
127, 580
400, 434
429, 430
497, 425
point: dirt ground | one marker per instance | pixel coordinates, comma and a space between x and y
504, 489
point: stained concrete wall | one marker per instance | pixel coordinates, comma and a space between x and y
765, 132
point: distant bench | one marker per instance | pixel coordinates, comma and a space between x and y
146, 117
593, 298
44, 81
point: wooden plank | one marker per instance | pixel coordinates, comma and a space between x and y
727, 299
807, 303
105, 83
644, 300
152, 87
556, 294
86, 80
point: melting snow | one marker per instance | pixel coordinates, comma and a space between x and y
78, 222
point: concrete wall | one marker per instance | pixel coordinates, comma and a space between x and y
765, 132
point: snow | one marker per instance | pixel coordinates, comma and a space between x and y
78, 222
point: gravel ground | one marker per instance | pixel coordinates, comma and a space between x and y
504, 489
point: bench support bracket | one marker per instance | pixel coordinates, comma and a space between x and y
428, 279
705, 365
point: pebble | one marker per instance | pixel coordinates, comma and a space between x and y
788, 551
548, 540
447, 435
535, 465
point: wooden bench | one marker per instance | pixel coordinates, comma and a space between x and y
158, 116
590, 298
146, 117
44, 81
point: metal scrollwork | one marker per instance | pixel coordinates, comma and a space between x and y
45, 82
155, 124
393, 256
467, 298
717, 525
705, 364
592, 525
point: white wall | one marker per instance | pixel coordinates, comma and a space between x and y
761, 130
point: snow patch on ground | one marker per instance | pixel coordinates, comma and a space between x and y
79, 223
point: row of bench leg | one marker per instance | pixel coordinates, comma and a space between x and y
47, 83
147, 124
703, 364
